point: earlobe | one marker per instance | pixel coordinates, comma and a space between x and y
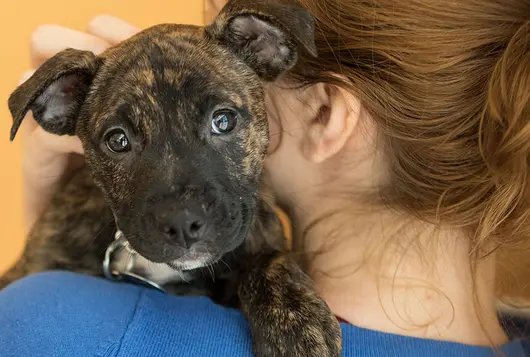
333, 126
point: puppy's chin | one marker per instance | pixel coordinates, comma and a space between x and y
203, 254
192, 261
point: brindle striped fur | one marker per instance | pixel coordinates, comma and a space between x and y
162, 82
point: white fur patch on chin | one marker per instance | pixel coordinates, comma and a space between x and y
158, 273
192, 263
129, 260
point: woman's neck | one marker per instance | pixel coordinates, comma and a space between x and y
380, 271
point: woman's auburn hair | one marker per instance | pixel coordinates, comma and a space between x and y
448, 85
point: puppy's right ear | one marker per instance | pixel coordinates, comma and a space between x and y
55, 92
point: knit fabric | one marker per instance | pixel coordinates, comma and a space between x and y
60, 314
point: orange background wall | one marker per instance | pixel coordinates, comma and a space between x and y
17, 21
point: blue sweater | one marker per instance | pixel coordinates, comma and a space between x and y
63, 314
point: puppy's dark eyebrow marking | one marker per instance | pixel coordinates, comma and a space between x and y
124, 113
165, 85
158, 63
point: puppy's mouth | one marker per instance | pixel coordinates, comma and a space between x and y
122, 261
201, 254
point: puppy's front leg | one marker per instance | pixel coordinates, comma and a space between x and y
286, 316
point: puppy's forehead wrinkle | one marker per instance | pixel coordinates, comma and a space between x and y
171, 80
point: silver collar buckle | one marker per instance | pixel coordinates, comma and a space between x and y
120, 243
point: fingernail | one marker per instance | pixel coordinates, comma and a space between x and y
99, 49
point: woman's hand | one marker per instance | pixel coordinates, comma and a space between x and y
47, 159
211, 9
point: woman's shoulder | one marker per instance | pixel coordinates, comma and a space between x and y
65, 314
87, 316
382, 344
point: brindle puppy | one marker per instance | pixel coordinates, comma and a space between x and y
174, 129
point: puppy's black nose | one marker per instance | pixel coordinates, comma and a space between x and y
184, 224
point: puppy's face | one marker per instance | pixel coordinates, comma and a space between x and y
173, 125
175, 132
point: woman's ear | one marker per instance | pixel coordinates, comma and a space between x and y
333, 125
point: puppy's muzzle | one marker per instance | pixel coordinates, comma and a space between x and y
188, 224
185, 225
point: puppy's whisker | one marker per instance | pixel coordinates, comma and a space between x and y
210, 269
210, 266
228, 266
182, 276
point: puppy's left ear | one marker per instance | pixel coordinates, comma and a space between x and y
266, 34
55, 92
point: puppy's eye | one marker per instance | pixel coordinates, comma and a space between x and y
223, 121
117, 141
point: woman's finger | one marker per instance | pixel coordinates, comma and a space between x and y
63, 144
32, 134
48, 40
111, 29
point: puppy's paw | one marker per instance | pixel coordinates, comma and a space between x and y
286, 316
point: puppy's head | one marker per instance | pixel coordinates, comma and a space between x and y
173, 124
